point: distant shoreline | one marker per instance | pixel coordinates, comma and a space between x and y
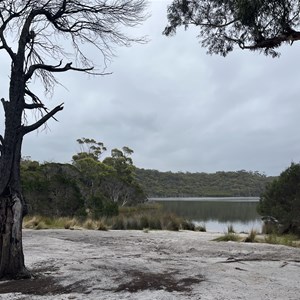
206, 199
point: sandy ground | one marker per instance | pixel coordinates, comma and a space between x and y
158, 265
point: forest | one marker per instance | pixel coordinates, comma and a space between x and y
220, 184
93, 187
89, 187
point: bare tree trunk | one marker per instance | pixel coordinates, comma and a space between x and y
12, 205
12, 209
12, 259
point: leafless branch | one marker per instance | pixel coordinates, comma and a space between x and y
43, 120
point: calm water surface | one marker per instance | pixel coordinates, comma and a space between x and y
216, 213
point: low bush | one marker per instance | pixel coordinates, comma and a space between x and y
131, 219
230, 229
251, 238
286, 240
229, 236
201, 228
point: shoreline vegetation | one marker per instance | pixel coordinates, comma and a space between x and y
147, 217
206, 199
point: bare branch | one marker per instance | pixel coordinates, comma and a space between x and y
43, 120
34, 105
54, 69
4, 103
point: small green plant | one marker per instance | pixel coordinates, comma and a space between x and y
41, 225
187, 225
201, 228
230, 229
100, 225
31, 222
251, 238
117, 223
89, 224
286, 240
229, 236
70, 223
171, 222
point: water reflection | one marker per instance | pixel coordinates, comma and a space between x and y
217, 214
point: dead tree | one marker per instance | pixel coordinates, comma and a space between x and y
30, 32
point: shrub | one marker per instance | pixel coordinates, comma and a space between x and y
187, 225
110, 209
286, 240
229, 236
118, 223
155, 223
89, 224
100, 225
31, 222
201, 228
230, 229
251, 238
144, 222
281, 200
171, 223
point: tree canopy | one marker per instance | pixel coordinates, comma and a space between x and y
281, 199
220, 184
262, 25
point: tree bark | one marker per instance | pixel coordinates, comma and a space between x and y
12, 204
12, 265
12, 210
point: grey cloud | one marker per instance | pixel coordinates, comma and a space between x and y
180, 109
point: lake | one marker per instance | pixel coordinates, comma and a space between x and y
216, 213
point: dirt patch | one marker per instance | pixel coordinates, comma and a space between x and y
151, 281
40, 286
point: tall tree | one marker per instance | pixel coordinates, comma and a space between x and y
31, 34
261, 25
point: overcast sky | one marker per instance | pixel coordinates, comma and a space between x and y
180, 109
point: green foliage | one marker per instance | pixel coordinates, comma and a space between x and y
89, 148
251, 238
219, 184
229, 236
201, 228
281, 200
51, 189
87, 188
248, 24
286, 240
230, 229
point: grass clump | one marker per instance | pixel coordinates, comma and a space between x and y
30, 222
188, 225
100, 225
228, 236
71, 223
251, 238
89, 224
285, 240
147, 216
201, 228
230, 229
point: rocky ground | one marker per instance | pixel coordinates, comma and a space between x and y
82, 264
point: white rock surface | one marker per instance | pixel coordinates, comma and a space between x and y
159, 265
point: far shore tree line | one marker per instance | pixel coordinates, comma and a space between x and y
93, 187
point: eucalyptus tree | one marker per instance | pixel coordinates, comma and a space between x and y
261, 25
34, 35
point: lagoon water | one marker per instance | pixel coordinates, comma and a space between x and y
216, 213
